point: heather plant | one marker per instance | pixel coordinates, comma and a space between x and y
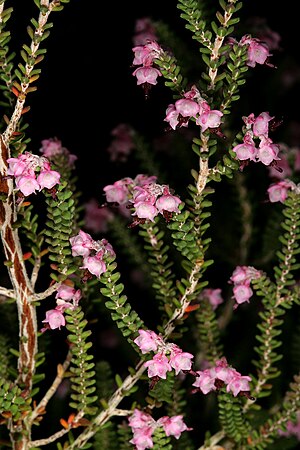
164, 311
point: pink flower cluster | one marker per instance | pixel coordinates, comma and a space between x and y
144, 56
144, 31
93, 252
214, 378
257, 128
169, 356
213, 296
241, 279
143, 426
122, 143
32, 173
292, 428
192, 105
96, 218
52, 148
258, 51
67, 297
147, 198
121, 191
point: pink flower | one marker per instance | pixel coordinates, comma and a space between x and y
142, 56
94, 265
242, 293
158, 366
245, 151
55, 319
186, 107
238, 383
240, 275
213, 295
52, 148
97, 218
145, 210
81, 244
117, 192
142, 438
180, 360
168, 203
173, 426
27, 185
209, 119
205, 381
258, 53
261, 124
147, 341
267, 152
65, 292
278, 192
172, 117
48, 178
147, 75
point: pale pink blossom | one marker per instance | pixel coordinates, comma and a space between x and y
213, 296
267, 151
173, 426
81, 244
117, 192
27, 185
258, 52
55, 319
147, 75
65, 292
142, 438
168, 203
172, 117
186, 107
278, 192
158, 366
238, 383
242, 293
96, 266
261, 124
245, 151
205, 381
48, 179
209, 119
145, 210
180, 360
147, 341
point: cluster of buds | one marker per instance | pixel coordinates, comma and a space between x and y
215, 378
257, 128
67, 297
32, 173
192, 105
168, 356
143, 426
241, 279
144, 56
93, 253
147, 198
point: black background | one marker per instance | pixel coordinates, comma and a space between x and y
87, 88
